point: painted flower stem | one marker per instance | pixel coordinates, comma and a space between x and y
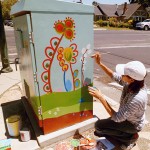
65, 81
49, 69
82, 67
72, 76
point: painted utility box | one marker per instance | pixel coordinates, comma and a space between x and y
54, 41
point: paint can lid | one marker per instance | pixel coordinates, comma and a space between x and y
13, 118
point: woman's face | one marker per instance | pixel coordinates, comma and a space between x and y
127, 79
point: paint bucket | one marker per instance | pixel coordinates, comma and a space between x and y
25, 134
13, 125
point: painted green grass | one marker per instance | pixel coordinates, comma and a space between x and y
66, 102
60, 111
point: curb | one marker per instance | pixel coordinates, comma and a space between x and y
10, 88
99, 29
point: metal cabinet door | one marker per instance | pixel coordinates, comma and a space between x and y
28, 67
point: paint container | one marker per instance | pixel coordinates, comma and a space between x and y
75, 144
25, 135
13, 125
92, 88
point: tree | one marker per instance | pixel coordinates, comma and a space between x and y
6, 8
132, 1
146, 3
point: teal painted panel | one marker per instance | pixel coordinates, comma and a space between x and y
78, 73
50, 6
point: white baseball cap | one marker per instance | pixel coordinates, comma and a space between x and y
134, 69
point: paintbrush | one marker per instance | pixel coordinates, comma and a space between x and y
92, 56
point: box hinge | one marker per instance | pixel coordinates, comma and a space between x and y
35, 77
31, 37
40, 110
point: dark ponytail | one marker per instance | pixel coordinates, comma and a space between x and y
136, 86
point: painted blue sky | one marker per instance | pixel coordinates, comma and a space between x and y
89, 2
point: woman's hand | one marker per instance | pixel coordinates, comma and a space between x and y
95, 93
97, 57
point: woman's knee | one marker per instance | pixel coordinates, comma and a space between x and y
97, 124
100, 123
104, 123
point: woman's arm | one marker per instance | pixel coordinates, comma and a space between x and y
97, 58
97, 94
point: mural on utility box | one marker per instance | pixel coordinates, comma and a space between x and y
66, 57
72, 103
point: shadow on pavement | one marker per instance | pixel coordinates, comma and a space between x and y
17, 108
32, 117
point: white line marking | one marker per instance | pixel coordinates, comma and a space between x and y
99, 29
105, 53
148, 70
97, 48
12, 54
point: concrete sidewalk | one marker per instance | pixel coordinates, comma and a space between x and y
10, 100
10, 104
7, 80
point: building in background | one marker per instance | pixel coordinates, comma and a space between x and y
123, 12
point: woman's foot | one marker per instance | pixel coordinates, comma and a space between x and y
127, 147
131, 144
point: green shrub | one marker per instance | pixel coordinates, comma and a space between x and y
100, 22
112, 22
112, 19
120, 25
6, 7
130, 21
105, 23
